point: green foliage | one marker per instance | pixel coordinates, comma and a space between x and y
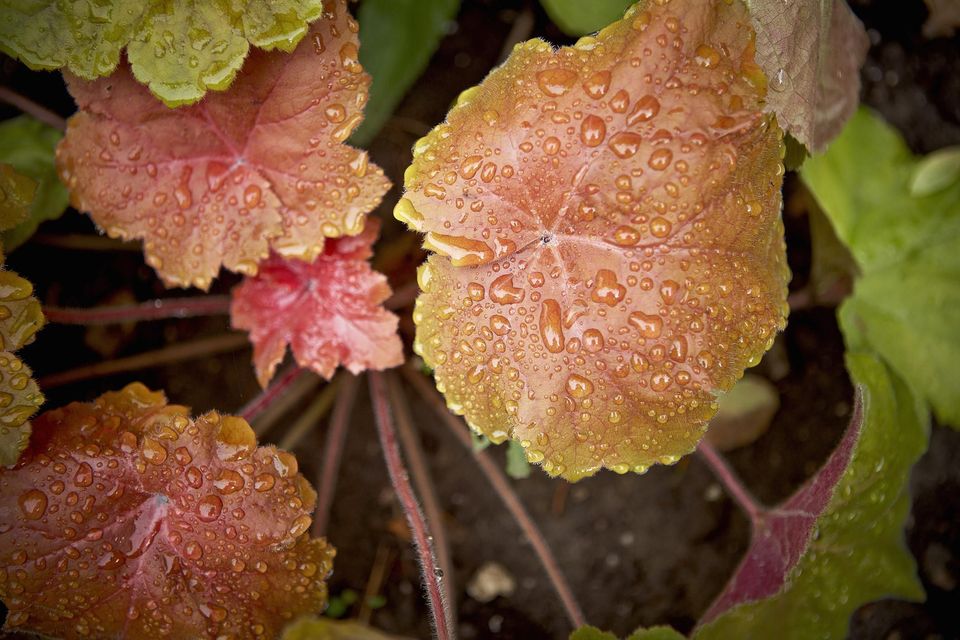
29, 146
906, 302
936, 171
857, 553
311, 628
397, 38
577, 17
517, 465
179, 48
653, 633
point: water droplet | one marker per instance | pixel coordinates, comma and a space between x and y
578, 386
251, 196
707, 56
597, 85
551, 326
556, 82
33, 504
503, 291
660, 159
645, 109
152, 451
264, 482
606, 289
84, 475
209, 508
649, 326
592, 131
299, 525
625, 144
463, 252
229, 481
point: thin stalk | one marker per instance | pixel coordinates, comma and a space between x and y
309, 419
279, 405
84, 242
418, 525
731, 482
424, 485
159, 309
31, 108
192, 350
253, 409
501, 486
333, 452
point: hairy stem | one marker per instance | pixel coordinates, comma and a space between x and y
333, 452
253, 409
501, 486
731, 482
31, 108
418, 526
159, 309
424, 485
309, 419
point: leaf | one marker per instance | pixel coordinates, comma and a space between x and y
20, 398
329, 311
127, 518
179, 48
398, 37
811, 52
16, 194
653, 633
517, 466
744, 414
256, 168
936, 171
906, 302
314, 628
578, 18
838, 542
609, 251
29, 147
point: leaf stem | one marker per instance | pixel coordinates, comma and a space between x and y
731, 482
311, 417
333, 452
159, 309
418, 525
253, 409
31, 108
507, 495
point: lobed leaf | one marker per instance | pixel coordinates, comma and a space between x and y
180, 49
329, 311
127, 518
578, 18
838, 542
29, 147
258, 168
811, 52
906, 299
609, 250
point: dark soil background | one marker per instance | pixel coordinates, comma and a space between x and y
653, 549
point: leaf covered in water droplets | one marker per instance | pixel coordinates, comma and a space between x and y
127, 518
609, 250
329, 311
179, 48
257, 168
811, 51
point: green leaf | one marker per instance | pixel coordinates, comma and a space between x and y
857, 553
937, 171
580, 17
29, 146
312, 628
653, 633
517, 465
16, 195
180, 48
397, 38
906, 302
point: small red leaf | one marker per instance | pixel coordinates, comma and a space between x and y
125, 518
257, 168
329, 311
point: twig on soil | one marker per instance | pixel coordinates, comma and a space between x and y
424, 485
253, 409
191, 350
501, 485
333, 452
431, 573
731, 482
160, 309
31, 108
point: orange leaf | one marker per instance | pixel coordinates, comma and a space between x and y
329, 311
127, 518
258, 167
610, 254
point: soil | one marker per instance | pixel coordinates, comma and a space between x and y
637, 550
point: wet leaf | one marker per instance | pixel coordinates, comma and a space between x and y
29, 145
259, 167
397, 37
127, 518
16, 195
811, 52
180, 48
20, 398
329, 311
578, 18
838, 542
313, 628
906, 300
609, 250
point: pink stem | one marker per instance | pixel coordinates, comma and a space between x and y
153, 310
418, 526
31, 108
731, 482
333, 452
506, 493
265, 398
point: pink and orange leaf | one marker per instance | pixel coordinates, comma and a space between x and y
609, 252
127, 518
259, 167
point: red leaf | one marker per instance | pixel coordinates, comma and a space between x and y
328, 311
259, 167
126, 518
